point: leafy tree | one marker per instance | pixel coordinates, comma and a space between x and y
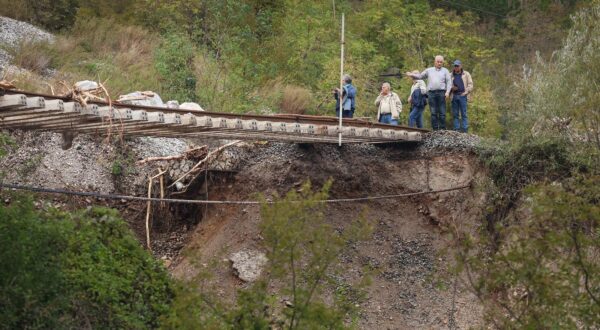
534, 263
76, 270
559, 97
543, 273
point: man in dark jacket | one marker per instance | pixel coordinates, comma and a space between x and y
461, 90
348, 98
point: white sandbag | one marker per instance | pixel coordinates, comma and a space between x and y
173, 104
190, 106
86, 85
142, 98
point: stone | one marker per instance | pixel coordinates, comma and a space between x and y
248, 264
179, 185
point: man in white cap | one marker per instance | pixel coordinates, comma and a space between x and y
462, 86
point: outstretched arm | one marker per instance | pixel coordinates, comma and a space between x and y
422, 75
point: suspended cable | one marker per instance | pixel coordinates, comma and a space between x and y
194, 201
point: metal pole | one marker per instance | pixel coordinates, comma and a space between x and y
341, 93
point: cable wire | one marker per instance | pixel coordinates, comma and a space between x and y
194, 201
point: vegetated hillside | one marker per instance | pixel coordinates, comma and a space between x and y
248, 56
405, 255
541, 215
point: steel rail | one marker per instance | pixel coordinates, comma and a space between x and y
295, 118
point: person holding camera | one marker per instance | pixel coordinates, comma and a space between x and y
388, 105
462, 87
348, 98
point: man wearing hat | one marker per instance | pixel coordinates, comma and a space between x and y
462, 86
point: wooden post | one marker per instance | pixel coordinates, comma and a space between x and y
162, 186
341, 93
148, 210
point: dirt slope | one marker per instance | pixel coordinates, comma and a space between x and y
405, 249
409, 236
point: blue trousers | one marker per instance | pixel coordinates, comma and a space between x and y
387, 119
437, 106
459, 109
416, 117
345, 113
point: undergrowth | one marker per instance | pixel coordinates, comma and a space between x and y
537, 248
80, 269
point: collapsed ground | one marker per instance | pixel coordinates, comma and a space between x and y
411, 286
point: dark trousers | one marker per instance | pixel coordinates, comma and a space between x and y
416, 117
437, 106
459, 109
345, 113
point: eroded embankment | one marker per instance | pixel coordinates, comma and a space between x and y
411, 287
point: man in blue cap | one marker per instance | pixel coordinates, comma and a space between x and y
462, 86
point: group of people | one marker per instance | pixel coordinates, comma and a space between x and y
441, 86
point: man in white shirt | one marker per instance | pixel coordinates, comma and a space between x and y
439, 83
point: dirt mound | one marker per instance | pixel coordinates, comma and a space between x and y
409, 288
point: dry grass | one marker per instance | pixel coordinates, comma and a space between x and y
35, 56
95, 49
103, 50
18, 10
127, 45
295, 100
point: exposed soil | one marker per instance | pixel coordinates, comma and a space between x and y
411, 287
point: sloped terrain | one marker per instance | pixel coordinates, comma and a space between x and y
411, 287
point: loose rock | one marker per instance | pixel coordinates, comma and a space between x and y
248, 264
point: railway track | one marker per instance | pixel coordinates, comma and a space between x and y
34, 111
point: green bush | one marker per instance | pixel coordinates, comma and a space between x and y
76, 270
174, 64
544, 271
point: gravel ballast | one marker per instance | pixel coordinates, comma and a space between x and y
13, 32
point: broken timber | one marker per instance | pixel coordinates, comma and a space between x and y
31, 111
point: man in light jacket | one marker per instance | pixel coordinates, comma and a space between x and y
439, 83
388, 105
462, 86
